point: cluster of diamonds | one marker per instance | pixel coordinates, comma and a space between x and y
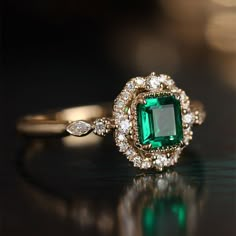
124, 121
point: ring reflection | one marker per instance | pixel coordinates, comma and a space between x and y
163, 204
100, 201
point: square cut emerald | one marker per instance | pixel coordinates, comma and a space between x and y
160, 122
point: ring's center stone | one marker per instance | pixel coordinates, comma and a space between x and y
160, 122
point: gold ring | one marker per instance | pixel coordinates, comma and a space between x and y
151, 119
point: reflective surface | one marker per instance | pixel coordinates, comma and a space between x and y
58, 189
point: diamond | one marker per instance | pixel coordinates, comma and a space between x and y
118, 115
130, 154
120, 104
123, 146
125, 95
140, 81
130, 86
159, 122
170, 82
158, 162
161, 160
121, 137
185, 104
146, 164
154, 82
188, 118
100, 127
125, 125
183, 96
137, 161
162, 78
79, 128
164, 161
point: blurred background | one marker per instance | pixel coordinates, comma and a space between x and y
63, 53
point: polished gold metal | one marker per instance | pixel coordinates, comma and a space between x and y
122, 119
56, 123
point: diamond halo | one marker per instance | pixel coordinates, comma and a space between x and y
141, 157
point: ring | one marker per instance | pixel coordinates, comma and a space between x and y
151, 119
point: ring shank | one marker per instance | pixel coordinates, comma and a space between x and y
55, 123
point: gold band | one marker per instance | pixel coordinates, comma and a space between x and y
55, 123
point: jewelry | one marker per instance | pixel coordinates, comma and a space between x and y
152, 120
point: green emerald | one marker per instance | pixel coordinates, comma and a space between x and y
160, 122
164, 216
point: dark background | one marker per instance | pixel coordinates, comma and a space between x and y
64, 53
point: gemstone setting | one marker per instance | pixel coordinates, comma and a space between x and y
159, 122
157, 139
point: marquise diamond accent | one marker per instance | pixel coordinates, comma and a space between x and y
79, 128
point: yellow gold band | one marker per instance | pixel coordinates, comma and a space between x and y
55, 123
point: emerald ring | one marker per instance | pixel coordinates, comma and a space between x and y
152, 121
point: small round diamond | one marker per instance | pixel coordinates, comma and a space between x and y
120, 104
130, 86
100, 127
123, 146
118, 115
121, 137
140, 81
162, 78
158, 163
137, 161
125, 95
154, 82
164, 161
183, 96
161, 160
125, 125
169, 82
188, 118
130, 154
146, 164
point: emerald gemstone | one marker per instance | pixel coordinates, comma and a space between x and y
160, 122
164, 216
